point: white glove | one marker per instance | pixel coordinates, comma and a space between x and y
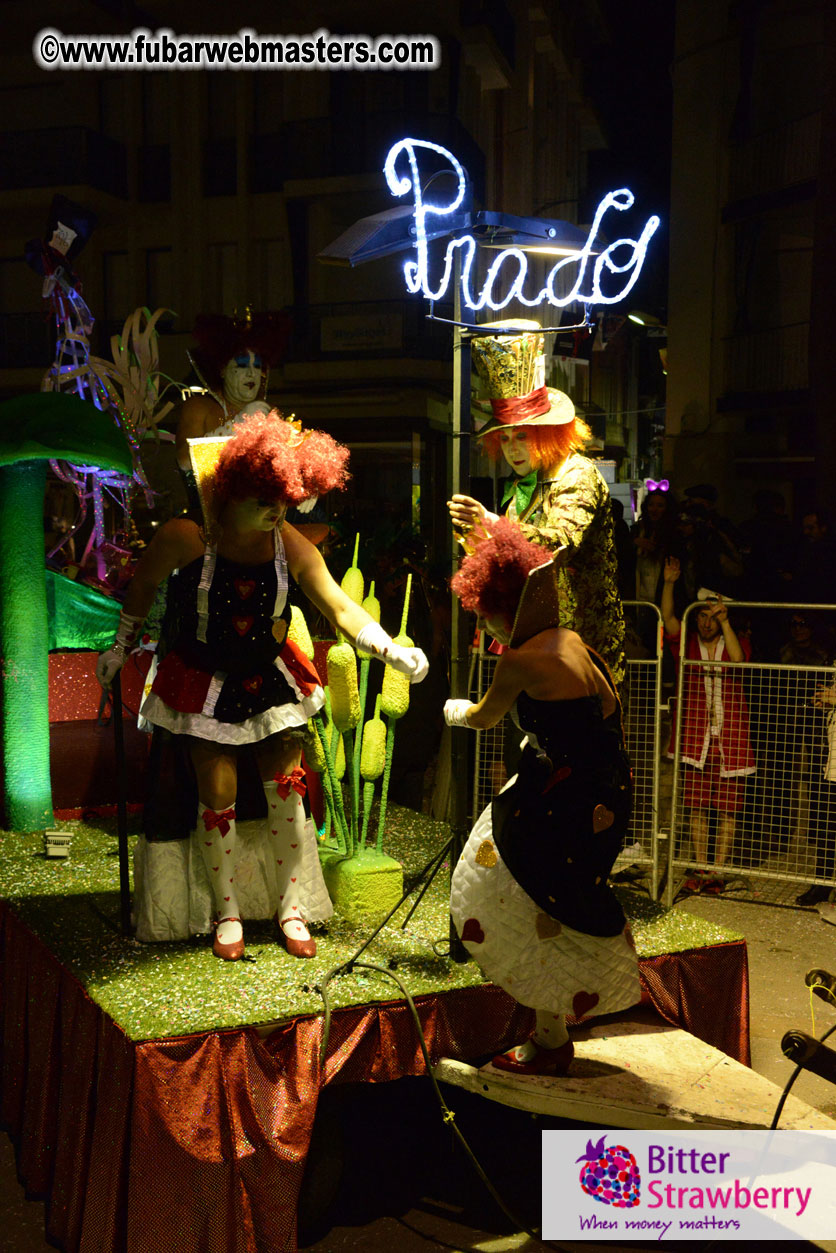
112, 661
455, 712
305, 506
410, 661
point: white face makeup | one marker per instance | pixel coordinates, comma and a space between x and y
514, 444
498, 628
242, 377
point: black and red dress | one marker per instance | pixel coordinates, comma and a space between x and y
227, 678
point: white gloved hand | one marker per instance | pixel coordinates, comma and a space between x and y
306, 506
455, 712
410, 661
112, 661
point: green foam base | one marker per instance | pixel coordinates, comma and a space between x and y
364, 888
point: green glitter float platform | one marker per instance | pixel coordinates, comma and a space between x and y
154, 991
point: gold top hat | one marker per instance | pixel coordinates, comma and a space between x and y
514, 368
539, 604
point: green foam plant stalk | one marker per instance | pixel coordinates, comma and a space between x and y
394, 702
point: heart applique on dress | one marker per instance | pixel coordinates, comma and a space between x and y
547, 927
583, 1003
486, 855
244, 587
253, 684
472, 932
242, 625
602, 818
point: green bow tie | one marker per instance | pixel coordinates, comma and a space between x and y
522, 489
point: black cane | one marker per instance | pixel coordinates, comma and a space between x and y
121, 803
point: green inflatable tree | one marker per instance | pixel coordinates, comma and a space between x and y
35, 429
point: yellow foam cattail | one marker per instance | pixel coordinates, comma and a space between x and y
339, 765
352, 580
314, 752
373, 755
394, 692
299, 634
342, 682
371, 604
372, 607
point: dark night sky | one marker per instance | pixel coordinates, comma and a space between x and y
628, 80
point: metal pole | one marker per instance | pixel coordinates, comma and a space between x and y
121, 803
460, 482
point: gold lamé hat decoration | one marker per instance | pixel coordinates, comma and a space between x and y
539, 604
513, 366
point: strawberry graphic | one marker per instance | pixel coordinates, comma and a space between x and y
610, 1175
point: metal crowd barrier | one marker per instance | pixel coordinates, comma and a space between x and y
775, 818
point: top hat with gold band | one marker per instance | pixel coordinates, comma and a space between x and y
513, 366
538, 608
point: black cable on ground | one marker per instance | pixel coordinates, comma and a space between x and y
788, 1085
447, 1114
351, 964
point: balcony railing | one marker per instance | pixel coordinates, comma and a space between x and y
781, 158
63, 156
773, 360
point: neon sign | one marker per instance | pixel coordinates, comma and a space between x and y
510, 261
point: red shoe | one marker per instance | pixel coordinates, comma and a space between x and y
295, 948
228, 952
544, 1062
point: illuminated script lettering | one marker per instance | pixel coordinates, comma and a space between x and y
623, 256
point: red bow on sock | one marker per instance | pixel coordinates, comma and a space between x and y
293, 782
220, 820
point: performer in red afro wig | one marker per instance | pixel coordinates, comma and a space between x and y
272, 460
490, 581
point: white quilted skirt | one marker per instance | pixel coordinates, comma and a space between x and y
535, 958
173, 899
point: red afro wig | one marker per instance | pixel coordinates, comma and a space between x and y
269, 459
218, 339
490, 581
548, 445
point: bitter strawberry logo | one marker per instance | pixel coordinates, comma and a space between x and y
610, 1175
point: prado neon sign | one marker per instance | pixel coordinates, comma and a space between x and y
510, 262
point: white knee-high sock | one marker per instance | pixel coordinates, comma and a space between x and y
550, 1030
286, 833
216, 835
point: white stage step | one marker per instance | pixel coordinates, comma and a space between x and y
640, 1072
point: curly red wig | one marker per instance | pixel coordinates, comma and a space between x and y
269, 459
490, 580
548, 445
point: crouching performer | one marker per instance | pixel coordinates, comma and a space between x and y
231, 676
529, 896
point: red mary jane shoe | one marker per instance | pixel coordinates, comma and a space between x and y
295, 948
544, 1062
228, 952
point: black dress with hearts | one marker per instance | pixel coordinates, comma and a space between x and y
229, 676
529, 895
